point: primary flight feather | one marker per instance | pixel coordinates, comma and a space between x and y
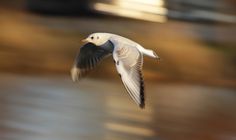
128, 57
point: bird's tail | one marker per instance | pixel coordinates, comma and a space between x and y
148, 52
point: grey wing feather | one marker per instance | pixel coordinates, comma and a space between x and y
129, 67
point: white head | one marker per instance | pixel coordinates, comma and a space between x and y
98, 38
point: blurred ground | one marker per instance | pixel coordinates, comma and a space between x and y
190, 93
53, 108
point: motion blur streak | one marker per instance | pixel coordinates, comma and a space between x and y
129, 129
132, 116
150, 2
116, 10
215, 16
142, 7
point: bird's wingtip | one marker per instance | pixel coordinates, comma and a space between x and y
75, 74
142, 106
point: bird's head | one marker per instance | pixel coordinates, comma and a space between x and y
97, 38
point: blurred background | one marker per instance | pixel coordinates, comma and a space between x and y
190, 94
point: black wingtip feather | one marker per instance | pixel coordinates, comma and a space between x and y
87, 58
142, 98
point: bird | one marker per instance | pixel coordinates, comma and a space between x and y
127, 56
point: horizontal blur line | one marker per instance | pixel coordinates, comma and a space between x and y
142, 7
215, 16
146, 2
116, 10
202, 15
141, 131
132, 116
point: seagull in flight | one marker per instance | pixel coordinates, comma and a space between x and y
127, 55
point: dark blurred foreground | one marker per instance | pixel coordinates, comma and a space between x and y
190, 93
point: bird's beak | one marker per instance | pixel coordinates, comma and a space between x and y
85, 40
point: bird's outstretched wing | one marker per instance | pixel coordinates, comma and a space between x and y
129, 63
88, 57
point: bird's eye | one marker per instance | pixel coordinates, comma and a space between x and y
92, 37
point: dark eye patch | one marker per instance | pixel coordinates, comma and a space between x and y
97, 37
92, 37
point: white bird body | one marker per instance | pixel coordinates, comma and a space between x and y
116, 39
128, 57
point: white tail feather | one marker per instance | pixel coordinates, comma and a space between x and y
148, 52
